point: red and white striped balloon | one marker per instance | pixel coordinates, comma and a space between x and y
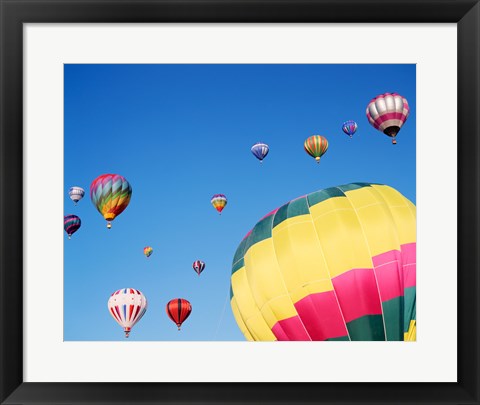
127, 306
387, 113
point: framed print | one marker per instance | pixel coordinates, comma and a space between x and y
314, 129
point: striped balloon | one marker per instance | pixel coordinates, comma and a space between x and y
316, 146
387, 113
178, 310
349, 127
260, 151
71, 224
219, 201
127, 306
76, 194
336, 264
198, 266
110, 193
147, 251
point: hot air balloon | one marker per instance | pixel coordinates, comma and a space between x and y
71, 224
127, 306
178, 310
110, 193
76, 194
349, 127
336, 264
198, 266
260, 151
316, 146
219, 201
387, 113
147, 251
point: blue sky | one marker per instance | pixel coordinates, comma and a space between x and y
181, 133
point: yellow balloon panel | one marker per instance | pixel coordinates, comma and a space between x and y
343, 242
267, 284
239, 319
334, 204
403, 213
299, 254
375, 219
250, 314
411, 335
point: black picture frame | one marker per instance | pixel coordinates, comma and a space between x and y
14, 13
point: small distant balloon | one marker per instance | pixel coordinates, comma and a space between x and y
147, 251
76, 194
260, 150
71, 224
127, 306
219, 201
316, 146
178, 310
110, 193
198, 266
349, 127
387, 113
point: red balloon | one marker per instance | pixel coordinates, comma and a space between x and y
178, 310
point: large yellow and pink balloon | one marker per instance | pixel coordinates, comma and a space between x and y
336, 264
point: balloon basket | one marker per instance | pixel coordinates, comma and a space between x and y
109, 225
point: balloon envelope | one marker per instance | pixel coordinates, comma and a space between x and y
71, 224
349, 127
127, 306
387, 113
219, 201
316, 146
76, 193
337, 264
198, 266
178, 310
110, 193
260, 150
147, 251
